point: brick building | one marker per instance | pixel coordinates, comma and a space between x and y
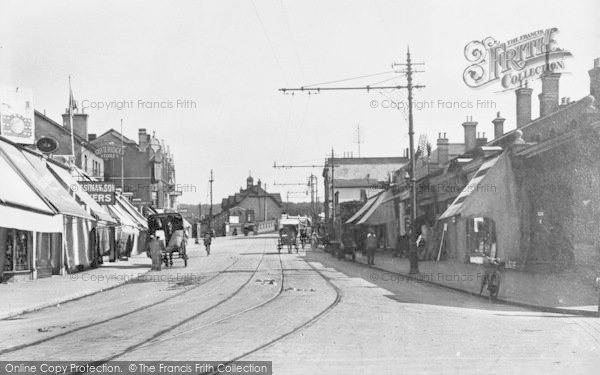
85, 152
246, 208
148, 166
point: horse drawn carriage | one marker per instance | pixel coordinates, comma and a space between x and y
170, 227
289, 229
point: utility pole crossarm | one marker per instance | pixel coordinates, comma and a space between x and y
368, 88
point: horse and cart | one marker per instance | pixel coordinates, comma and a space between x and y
170, 227
293, 232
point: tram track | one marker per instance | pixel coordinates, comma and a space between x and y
139, 309
308, 323
164, 331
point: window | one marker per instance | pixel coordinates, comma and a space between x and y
17, 248
552, 133
85, 163
537, 138
481, 234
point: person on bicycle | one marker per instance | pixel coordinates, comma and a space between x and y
207, 241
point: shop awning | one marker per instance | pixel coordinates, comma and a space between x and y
472, 190
124, 219
17, 193
132, 212
70, 182
381, 211
16, 218
34, 170
368, 204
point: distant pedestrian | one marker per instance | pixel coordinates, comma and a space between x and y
371, 243
207, 242
155, 248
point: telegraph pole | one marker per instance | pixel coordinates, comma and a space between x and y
211, 203
332, 199
410, 86
412, 249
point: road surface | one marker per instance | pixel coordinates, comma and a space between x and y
306, 312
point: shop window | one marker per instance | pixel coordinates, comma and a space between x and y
481, 239
17, 247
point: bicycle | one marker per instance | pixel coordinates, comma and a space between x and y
492, 278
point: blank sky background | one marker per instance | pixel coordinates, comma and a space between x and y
230, 57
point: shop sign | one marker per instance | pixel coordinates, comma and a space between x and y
101, 192
109, 150
16, 115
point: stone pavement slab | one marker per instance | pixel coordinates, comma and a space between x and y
30, 295
560, 292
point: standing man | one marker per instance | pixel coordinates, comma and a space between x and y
155, 248
371, 246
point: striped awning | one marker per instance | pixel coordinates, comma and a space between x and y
473, 185
34, 170
69, 181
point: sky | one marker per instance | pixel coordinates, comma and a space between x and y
215, 68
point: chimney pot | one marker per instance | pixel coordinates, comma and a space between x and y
523, 106
595, 81
549, 96
470, 134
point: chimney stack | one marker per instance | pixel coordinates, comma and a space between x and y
80, 125
142, 139
498, 126
523, 105
442, 149
595, 82
481, 140
79, 121
549, 96
470, 133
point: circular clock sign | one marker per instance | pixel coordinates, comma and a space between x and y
47, 145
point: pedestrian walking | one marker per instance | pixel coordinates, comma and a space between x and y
207, 242
371, 246
156, 248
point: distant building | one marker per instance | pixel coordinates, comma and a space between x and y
149, 168
85, 152
356, 179
247, 208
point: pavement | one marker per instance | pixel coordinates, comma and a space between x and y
30, 295
572, 292
307, 313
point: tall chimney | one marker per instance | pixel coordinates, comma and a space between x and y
142, 139
470, 133
80, 124
595, 82
498, 126
549, 95
523, 105
442, 149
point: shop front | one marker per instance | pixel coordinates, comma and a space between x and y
483, 221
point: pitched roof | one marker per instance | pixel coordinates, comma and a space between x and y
116, 134
58, 126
